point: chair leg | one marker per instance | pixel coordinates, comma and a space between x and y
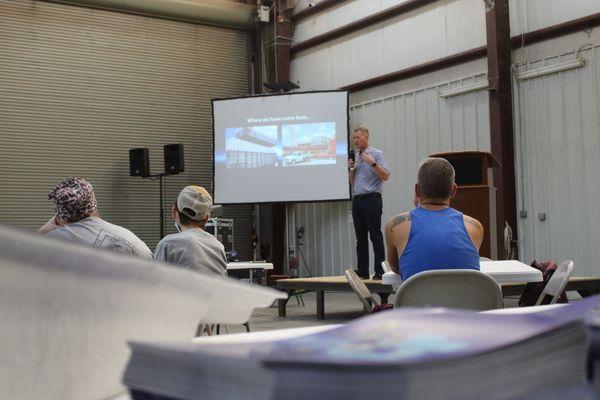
299, 296
203, 329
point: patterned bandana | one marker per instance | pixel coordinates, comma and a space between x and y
73, 199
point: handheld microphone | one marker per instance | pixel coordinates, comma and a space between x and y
351, 155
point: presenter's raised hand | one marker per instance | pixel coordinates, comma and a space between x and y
366, 157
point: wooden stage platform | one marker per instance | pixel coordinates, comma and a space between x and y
585, 286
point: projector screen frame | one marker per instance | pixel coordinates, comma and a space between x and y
348, 144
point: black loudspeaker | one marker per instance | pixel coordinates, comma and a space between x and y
174, 158
139, 162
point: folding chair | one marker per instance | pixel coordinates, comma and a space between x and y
386, 266
450, 288
557, 282
361, 290
293, 267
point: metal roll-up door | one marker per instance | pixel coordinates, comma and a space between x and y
79, 87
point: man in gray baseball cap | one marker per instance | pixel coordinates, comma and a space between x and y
192, 247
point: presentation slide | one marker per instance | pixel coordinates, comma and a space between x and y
281, 148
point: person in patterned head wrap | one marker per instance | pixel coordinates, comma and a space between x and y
76, 219
73, 199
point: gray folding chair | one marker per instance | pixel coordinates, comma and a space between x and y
450, 288
361, 290
557, 282
386, 266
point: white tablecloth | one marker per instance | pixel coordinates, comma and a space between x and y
504, 271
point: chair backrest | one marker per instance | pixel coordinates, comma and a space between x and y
557, 282
386, 266
361, 290
450, 288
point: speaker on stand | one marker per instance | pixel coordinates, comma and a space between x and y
139, 162
139, 165
174, 162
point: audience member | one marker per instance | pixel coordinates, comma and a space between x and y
433, 235
193, 247
76, 219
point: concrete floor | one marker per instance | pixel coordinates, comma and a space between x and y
340, 307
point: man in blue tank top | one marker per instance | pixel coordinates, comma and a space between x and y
433, 235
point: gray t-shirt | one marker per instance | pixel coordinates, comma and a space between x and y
195, 249
96, 232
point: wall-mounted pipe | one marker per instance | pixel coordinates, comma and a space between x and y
212, 12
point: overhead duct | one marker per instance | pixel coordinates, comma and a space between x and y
213, 12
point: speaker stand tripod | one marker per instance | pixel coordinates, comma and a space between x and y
162, 210
302, 260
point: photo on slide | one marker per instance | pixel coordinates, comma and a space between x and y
252, 147
308, 144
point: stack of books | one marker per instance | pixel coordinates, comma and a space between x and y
399, 354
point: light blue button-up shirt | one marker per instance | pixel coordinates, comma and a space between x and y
365, 178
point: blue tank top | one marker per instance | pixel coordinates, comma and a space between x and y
437, 240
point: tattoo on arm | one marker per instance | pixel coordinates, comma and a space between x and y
398, 219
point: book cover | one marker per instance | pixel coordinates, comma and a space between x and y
409, 336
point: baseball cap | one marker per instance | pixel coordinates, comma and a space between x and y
194, 202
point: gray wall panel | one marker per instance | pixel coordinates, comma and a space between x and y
558, 151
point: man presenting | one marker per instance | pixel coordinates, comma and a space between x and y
433, 235
366, 175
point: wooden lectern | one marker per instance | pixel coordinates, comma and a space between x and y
476, 195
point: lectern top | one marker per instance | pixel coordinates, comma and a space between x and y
492, 161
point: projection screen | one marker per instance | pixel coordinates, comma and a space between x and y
281, 148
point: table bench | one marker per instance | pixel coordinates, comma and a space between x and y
585, 286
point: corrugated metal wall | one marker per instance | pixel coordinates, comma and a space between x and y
557, 119
79, 87
407, 127
428, 33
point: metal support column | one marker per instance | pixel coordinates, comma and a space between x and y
501, 115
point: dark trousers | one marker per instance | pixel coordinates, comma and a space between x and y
366, 213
